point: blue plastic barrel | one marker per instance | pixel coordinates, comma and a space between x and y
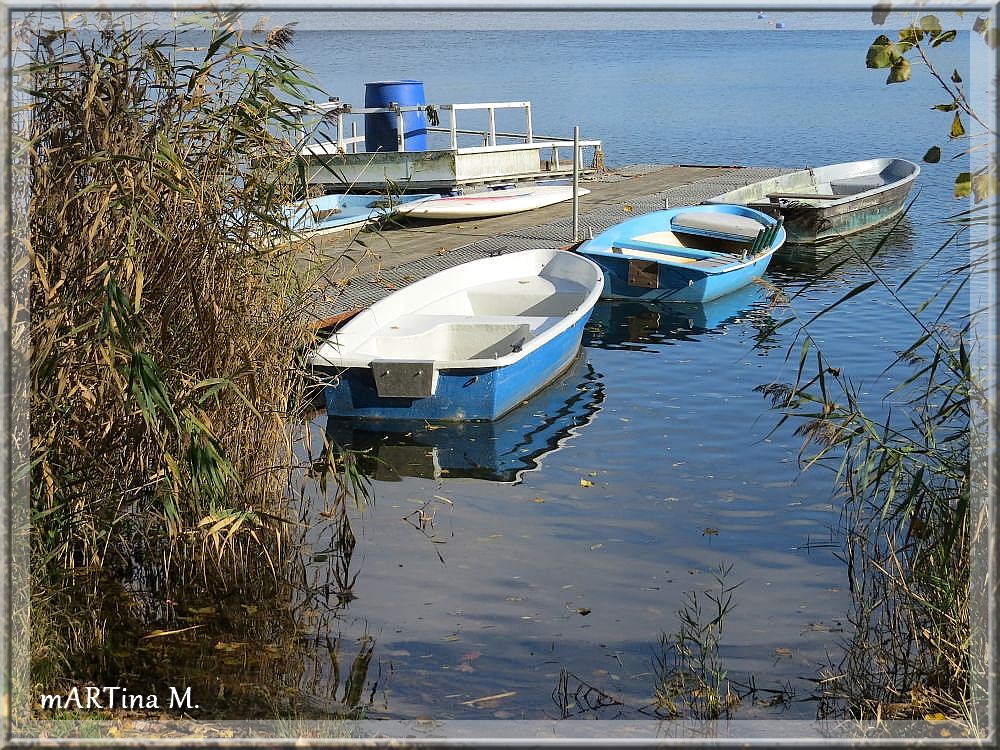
380, 128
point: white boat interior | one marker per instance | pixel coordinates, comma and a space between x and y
486, 313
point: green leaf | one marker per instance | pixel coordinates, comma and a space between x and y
946, 107
900, 71
955, 77
881, 54
963, 185
933, 155
931, 25
957, 128
911, 35
946, 36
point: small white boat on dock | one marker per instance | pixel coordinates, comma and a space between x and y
489, 202
470, 342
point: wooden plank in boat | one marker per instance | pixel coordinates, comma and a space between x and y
815, 196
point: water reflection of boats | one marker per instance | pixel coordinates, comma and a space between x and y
501, 450
621, 324
834, 259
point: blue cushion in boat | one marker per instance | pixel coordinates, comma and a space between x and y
718, 222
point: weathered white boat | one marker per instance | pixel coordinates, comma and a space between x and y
826, 203
489, 202
470, 342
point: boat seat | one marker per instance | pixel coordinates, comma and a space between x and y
717, 224
673, 253
420, 324
852, 185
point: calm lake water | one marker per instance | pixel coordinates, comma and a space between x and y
544, 557
528, 569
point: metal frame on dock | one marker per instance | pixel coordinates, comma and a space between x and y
339, 162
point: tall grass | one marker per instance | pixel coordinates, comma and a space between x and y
163, 318
165, 301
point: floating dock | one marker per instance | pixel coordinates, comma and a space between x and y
366, 266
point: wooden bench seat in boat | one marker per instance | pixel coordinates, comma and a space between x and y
860, 184
803, 196
672, 254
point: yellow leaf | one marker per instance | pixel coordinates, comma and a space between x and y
162, 633
586, 483
957, 129
935, 717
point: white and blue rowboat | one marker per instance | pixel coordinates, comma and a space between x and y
339, 212
470, 342
685, 254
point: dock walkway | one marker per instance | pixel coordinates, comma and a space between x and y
368, 265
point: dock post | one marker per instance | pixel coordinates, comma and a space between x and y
400, 128
576, 183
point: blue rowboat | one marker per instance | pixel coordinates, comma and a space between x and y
338, 212
498, 451
470, 342
830, 202
685, 254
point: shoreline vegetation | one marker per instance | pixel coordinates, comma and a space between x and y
165, 299
166, 295
914, 510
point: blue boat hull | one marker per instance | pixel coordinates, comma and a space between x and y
497, 450
676, 284
460, 394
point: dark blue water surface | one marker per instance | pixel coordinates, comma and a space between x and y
672, 469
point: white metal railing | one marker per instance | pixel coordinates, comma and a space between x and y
338, 111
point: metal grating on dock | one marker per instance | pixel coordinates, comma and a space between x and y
363, 291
